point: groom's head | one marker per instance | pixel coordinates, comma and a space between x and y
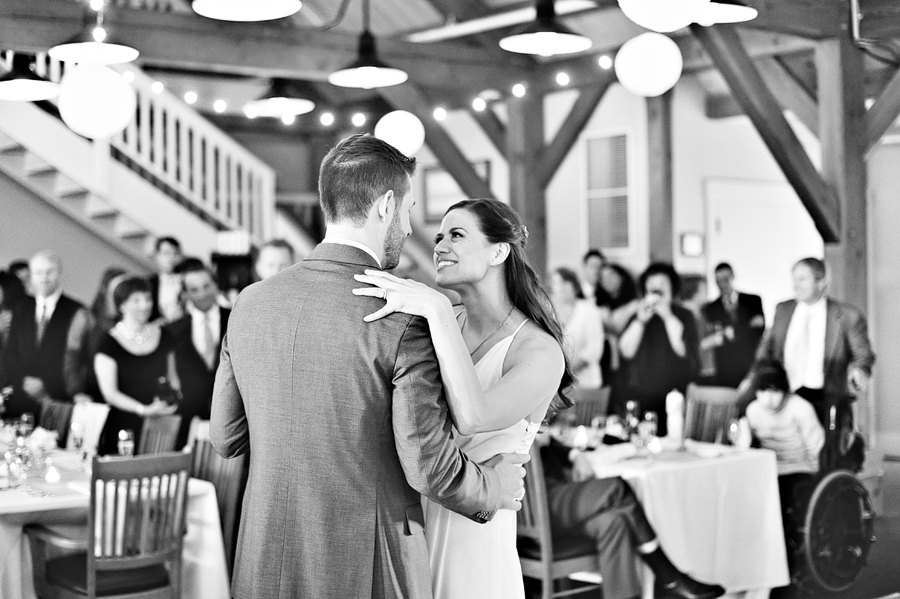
365, 183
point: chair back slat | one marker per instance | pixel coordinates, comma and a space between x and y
159, 434
591, 403
56, 416
708, 411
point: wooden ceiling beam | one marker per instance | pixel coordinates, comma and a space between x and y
409, 97
880, 19
724, 46
883, 112
552, 155
256, 49
492, 126
789, 92
812, 19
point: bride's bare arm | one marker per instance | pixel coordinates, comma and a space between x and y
534, 364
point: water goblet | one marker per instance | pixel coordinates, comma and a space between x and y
26, 424
126, 443
632, 415
77, 432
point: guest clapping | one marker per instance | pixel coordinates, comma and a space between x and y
131, 359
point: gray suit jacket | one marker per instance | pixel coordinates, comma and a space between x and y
347, 424
846, 343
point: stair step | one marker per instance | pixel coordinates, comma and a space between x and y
44, 180
66, 187
127, 228
7, 143
97, 207
139, 243
75, 201
105, 222
35, 165
13, 159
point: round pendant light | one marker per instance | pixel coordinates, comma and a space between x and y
21, 84
94, 45
545, 36
403, 130
726, 11
95, 101
663, 16
649, 65
367, 71
246, 10
282, 99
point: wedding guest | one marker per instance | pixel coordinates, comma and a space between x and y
660, 345
47, 338
11, 293
273, 257
582, 328
20, 269
131, 358
165, 284
591, 264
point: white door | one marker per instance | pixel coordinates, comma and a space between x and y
761, 229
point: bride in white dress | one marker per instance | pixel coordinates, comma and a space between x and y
502, 366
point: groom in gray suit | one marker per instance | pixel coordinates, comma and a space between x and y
346, 422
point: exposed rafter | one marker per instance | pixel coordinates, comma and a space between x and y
747, 85
883, 112
789, 92
493, 127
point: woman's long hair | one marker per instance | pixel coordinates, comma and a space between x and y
501, 224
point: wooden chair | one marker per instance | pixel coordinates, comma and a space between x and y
159, 434
590, 403
136, 526
542, 556
708, 412
229, 476
56, 416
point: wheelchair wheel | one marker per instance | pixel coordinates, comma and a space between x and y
838, 531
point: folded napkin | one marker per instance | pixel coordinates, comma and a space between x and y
706, 450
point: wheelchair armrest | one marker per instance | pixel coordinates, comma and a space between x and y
42, 533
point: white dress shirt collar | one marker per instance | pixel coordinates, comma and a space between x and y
355, 244
46, 305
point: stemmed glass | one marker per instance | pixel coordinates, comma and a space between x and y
126, 443
734, 432
632, 416
77, 432
26, 424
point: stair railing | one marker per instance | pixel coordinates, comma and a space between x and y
181, 149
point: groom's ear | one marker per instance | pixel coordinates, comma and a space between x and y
384, 204
500, 254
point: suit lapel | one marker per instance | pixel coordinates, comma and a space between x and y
781, 328
832, 326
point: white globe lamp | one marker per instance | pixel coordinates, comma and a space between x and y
94, 101
649, 65
403, 130
663, 16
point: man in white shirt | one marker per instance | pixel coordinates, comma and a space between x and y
591, 265
274, 256
198, 339
823, 343
46, 356
166, 283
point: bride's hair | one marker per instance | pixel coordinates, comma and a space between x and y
501, 224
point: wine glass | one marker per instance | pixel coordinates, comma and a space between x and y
126, 443
77, 432
632, 415
26, 424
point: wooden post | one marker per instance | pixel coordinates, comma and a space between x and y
525, 136
659, 142
842, 128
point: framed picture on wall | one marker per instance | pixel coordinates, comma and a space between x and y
441, 190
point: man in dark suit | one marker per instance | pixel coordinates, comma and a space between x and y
45, 357
735, 323
198, 339
346, 422
165, 284
823, 343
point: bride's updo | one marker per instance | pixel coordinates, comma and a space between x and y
501, 224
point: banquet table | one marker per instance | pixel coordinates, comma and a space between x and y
63, 506
715, 509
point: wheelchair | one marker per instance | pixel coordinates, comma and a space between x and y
833, 516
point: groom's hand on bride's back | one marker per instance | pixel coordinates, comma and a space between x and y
509, 466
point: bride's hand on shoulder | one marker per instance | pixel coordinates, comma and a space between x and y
400, 295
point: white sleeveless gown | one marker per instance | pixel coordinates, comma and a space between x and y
471, 560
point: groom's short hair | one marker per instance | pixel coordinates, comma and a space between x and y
356, 171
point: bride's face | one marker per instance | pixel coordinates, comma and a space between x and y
462, 253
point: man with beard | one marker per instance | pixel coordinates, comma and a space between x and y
345, 422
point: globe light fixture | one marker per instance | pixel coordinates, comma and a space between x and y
725, 11
246, 10
367, 71
403, 130
545, 36
649, 65
281, 99
22, 84
95, 101
663, 16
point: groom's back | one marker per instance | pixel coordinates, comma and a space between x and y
328, 511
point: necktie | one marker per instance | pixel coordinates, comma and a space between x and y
42, 323
209, 352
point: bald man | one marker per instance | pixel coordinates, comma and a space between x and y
45, 357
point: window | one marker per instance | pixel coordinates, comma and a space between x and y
607, 192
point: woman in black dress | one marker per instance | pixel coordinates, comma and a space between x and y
660, 345
129, 363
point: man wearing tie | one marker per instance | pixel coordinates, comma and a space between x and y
823, 343
198, 336
45, 357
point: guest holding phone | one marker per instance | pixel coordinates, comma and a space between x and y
130, 361
659, 346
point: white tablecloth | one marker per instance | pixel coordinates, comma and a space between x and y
717, 517
205, 574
